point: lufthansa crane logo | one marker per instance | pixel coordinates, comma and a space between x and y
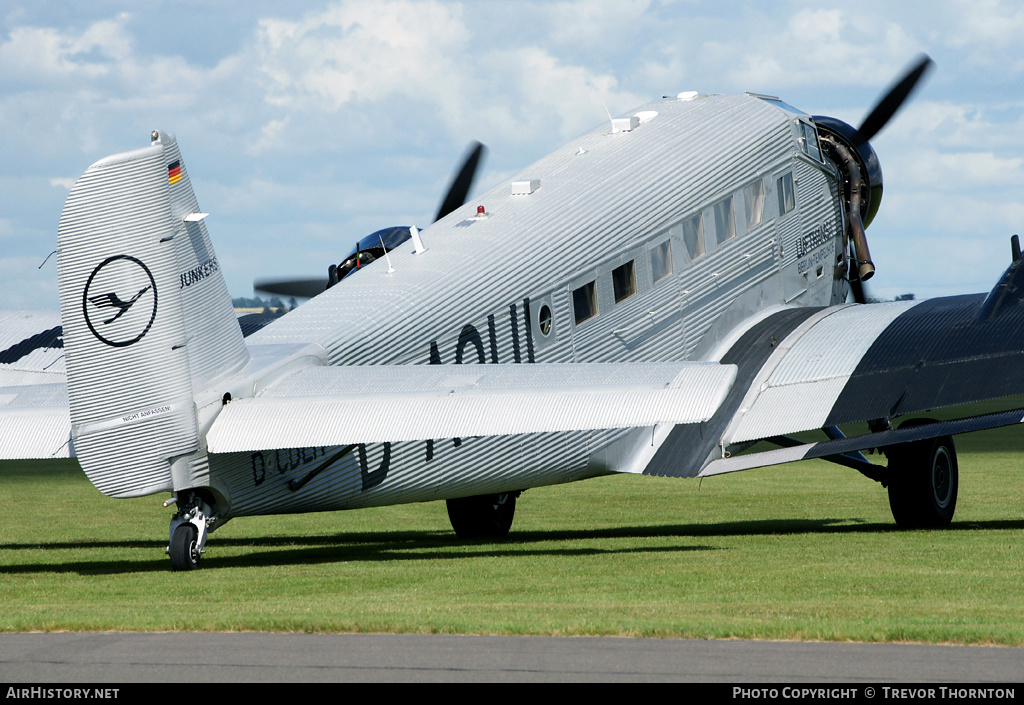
119, 301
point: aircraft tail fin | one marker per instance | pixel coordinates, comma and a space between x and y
148, 321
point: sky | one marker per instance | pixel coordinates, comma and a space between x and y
309, 124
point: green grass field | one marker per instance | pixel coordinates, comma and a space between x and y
807, 551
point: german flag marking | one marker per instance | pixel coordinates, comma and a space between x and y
174, 172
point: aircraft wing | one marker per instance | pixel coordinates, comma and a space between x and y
31, 347
859, 363
806, 369
34, 419
342, 405
35, 422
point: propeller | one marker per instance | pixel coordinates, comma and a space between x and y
894, 98
304, 288
851, 151
458, 192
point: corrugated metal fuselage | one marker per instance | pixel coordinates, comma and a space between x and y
708, 176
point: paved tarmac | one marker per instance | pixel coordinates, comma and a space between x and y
113, 658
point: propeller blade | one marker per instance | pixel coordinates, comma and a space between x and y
857, 291
894, 99
305, 288
458, 192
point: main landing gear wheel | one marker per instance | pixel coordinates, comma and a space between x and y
484, 516
184, 548
923, 483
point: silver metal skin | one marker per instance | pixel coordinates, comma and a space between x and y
563, 325
590, 213
609, 199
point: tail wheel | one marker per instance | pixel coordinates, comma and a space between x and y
184, 548
923, 483
483, 516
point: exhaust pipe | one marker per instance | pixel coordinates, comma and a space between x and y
839, 154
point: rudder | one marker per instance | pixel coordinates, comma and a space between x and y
139, 342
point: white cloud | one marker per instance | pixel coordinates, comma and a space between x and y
101, 68
822, 47
963, 125
34, 52
361, 52
957, 172
594, 24
423, 58
986, 22
318, 126
270, 137
547, 86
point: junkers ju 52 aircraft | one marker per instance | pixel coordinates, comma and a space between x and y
653, 298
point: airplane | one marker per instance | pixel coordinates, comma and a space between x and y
655, 297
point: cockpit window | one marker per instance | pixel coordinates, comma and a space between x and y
392, 237
370, 248
809, 141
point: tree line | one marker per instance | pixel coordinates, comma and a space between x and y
272, 306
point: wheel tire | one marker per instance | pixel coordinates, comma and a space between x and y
923, 483
484, 516
184, 549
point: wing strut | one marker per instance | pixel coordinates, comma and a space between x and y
793, 450
853, 459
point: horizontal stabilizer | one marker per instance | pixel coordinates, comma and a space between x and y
326, 406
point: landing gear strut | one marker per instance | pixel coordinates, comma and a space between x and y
483, 516
189, 529
923, 481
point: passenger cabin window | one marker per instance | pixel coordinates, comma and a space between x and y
546, 320
693, 236
661, 261
584, 302
725, 222
787, 198
624, 281
753, 201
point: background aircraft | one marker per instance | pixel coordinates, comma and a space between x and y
654, 297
